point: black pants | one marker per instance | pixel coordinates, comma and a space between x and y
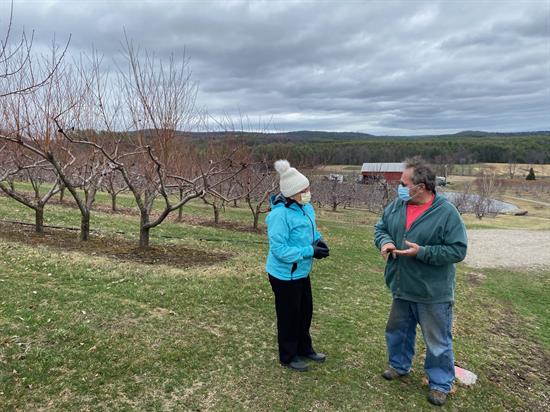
294, 307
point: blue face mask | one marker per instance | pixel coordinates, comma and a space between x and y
403, 193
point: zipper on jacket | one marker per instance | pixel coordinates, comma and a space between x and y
405, 236
312, 235
312, 227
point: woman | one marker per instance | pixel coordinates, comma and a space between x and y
293, 243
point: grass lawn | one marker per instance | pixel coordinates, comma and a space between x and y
82, 330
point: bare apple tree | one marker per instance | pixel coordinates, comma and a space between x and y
184, 164
18, 164
224, 186
153, 102
159, 103
33, 123
21, 75
256, 183
114, 184
160, 100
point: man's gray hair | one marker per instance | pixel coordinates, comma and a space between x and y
422, 172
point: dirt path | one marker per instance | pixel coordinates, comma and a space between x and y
528, 200
508, 248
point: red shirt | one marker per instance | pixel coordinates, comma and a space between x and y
415, 211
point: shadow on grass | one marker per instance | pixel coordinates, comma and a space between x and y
114, 247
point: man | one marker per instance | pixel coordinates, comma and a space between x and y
421, 236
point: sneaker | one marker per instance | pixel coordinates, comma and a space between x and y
437, 397
391, 374
315, 356
296, 364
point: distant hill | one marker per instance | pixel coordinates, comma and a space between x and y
315, 135
475, 133
312, 135
319, 147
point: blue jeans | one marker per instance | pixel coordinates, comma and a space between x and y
435, 320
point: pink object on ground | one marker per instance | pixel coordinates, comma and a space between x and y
464, 376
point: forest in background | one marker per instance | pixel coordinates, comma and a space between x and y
461, 148
318, 148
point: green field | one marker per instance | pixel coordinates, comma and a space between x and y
83, 329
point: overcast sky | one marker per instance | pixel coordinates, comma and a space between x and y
381, 67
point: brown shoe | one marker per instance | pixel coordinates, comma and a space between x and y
437, 397
391, 374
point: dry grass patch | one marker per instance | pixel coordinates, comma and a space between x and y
114, 247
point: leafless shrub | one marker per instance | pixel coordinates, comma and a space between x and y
486, 187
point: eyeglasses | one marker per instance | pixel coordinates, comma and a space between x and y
413, 185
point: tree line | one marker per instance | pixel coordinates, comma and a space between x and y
451, 150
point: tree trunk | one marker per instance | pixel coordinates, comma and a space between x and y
235, 203
334, 206
61, 195
256, 220
216, 214
85, 226
144, 238
180, 209
113, 202
39, 219
143, 231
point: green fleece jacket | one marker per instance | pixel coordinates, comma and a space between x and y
429, 277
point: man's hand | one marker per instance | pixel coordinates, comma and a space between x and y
386, 250
411, 251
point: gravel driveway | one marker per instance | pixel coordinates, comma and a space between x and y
508, 248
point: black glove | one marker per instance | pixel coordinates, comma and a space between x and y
320, 250
320, 242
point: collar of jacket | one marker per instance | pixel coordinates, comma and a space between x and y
288, 202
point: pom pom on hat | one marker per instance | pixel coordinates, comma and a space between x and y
282, 166
291, 180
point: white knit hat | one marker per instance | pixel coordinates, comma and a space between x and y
292, 181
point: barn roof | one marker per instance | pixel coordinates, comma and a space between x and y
383, 167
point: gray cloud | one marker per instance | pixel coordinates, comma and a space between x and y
376, 67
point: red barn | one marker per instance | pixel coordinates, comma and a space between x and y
390, 172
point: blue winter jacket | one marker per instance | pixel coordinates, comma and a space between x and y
291, 232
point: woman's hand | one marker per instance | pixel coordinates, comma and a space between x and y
320, 250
